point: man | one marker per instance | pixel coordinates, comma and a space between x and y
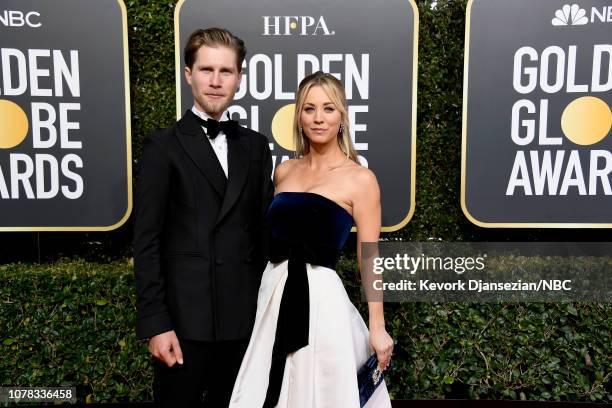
203, 190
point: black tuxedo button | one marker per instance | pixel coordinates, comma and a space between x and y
218, 262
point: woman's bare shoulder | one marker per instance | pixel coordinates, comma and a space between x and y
284, 168
363, 179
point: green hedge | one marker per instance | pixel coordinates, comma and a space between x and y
72, 323
151, 50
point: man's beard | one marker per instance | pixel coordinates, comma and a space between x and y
215, 108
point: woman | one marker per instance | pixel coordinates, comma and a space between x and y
309, 340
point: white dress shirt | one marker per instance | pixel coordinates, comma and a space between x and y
219, 143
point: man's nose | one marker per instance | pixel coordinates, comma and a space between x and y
215, 79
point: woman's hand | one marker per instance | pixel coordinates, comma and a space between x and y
382, 344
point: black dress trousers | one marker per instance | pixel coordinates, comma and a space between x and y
206, 377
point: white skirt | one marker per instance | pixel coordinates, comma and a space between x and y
322, 374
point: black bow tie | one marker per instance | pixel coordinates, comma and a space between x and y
213, 127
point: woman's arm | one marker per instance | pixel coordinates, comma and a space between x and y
367, 216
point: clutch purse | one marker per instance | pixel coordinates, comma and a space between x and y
369, 377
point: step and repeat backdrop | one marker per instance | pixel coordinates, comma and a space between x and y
536, 148
65, 159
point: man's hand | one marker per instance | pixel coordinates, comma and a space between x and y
165, 347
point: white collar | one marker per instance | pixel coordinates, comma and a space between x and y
206, 116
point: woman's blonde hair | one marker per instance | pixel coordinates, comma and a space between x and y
335, 90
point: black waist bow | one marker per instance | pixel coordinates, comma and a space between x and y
294, 313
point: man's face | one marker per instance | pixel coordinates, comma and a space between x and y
214, 79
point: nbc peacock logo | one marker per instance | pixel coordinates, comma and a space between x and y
570, 15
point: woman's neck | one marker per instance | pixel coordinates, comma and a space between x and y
325, 157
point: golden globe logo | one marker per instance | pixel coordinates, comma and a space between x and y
263, 80
17, 18
38, 170
301, 25
585, 121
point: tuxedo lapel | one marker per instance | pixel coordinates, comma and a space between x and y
238, 160
199, 150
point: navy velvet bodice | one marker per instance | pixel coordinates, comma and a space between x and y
310, 219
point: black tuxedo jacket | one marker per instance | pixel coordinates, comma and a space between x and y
199, 237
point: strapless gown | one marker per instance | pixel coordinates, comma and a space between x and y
308, 232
